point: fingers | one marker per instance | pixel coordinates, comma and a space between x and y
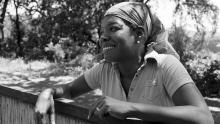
52, 118
52, 112
38, 118
98, 108
94, 108
41, 118
113, 114
103, 111
44, 107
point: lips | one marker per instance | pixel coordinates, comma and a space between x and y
108, 47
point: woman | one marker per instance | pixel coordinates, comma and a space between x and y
160, 38
136, 81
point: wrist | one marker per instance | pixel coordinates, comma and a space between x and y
130, 110
57, 92
47, 93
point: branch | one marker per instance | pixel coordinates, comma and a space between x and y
3, 11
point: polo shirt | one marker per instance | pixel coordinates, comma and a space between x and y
154, 83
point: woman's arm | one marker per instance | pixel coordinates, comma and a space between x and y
73, 89
190, 109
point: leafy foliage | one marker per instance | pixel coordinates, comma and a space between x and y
205, 71
202, 65
180, 41
55, 20
198, 10
44, 22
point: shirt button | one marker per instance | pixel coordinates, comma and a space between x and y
131, 89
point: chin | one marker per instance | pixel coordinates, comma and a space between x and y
110, 58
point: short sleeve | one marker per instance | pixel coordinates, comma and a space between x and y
93, 76
174, 75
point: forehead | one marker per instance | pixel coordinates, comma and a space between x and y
110, 20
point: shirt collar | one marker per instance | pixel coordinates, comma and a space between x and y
151, 57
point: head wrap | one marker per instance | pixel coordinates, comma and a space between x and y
139, 15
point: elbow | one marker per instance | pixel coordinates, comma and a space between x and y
210, 119
205, 117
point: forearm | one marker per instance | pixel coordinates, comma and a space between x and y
73, 89
171, 115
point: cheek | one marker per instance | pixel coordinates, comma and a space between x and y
125, 39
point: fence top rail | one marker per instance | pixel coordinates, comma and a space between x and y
62, 106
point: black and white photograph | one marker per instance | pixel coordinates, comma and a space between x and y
109, 62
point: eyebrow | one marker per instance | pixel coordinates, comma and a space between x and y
112, 23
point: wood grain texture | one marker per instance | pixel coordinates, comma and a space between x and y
17, 107
13, 111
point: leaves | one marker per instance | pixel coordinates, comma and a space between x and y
198, 10
204, 69
49, 21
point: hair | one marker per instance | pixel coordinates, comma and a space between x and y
150, 38
156, 28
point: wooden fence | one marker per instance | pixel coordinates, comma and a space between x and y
17, 107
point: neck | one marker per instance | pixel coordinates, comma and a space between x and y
128, 68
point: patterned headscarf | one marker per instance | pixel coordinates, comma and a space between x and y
139, 15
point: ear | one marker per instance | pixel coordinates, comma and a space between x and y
140, 34
139, 31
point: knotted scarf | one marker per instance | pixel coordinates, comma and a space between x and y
139, 15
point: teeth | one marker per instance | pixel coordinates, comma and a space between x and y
107, 48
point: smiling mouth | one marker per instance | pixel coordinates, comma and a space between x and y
107, 48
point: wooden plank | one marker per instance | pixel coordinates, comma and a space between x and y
17, 107
16, 94
14, 111
60, 107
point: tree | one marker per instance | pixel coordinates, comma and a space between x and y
78, 21
17, 26
54, 20
180, 41
198, 10
2, 17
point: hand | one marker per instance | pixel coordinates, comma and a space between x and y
108, 106
44, 104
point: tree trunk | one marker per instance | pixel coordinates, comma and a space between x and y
2, 17
18, 33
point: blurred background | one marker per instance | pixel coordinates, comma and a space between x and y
44, 38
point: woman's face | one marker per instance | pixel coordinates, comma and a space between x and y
117, 40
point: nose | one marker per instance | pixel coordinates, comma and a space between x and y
103, 39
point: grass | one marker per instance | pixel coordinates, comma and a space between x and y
34, 76
8, 65
37, 68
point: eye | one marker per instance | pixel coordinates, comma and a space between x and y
101, 32
114, 28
